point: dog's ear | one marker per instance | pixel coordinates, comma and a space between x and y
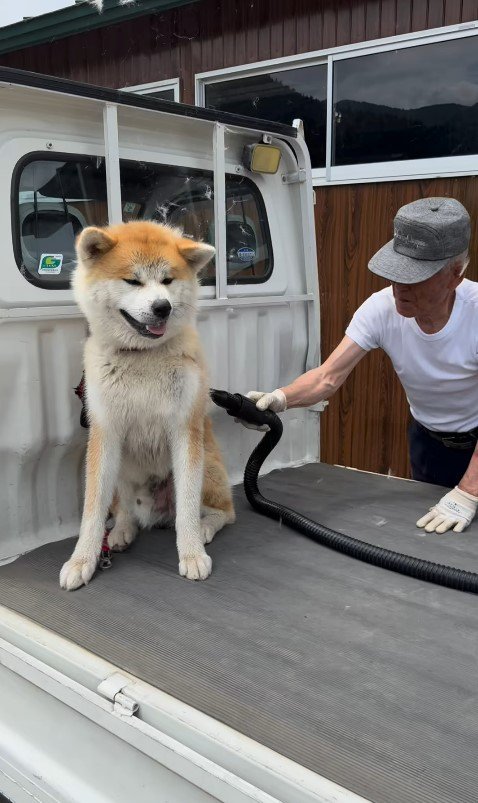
93, 243
197, 255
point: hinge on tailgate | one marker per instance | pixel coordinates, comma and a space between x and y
112, 688
294, 178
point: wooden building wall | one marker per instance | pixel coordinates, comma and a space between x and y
365, 425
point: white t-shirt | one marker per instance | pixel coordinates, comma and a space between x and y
439, 372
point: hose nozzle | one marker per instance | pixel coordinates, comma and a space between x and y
239, 406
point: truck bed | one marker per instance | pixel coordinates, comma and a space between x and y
359, 674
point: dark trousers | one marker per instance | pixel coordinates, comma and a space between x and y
432, 461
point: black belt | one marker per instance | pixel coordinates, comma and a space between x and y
454, 440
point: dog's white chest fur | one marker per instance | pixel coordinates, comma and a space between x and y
144, 396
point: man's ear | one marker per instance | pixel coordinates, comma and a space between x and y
93, 243
197, 255
458, 273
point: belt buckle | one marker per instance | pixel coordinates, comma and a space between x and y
452, 444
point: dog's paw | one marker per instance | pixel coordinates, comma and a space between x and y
195, 567
77, 572
121, 537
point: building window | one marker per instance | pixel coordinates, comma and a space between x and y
279, 96
164, 90
55, 198
412, 103
404, 107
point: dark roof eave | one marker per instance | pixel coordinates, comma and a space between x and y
75, 19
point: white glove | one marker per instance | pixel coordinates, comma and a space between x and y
275, 401
454, 510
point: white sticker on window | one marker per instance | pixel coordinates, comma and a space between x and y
50, 263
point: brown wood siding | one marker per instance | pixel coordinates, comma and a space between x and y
365, 426
212, 35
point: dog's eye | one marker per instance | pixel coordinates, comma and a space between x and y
167, 281
134, 282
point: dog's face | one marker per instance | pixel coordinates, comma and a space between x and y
137, 282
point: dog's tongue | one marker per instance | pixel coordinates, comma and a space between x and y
157, 330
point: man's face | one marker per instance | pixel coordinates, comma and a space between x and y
426, 298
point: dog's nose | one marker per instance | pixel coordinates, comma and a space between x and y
161, 308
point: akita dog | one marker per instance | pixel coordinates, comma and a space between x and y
147, 396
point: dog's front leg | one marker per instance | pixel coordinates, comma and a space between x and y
187, 451
102, 465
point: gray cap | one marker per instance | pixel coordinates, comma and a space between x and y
426, 234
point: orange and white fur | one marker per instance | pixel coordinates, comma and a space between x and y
147, 395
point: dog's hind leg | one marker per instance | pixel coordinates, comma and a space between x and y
124, 531
125, 527
217, 506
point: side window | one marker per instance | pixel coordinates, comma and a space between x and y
54, 198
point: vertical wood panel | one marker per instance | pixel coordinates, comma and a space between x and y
252, 35
277, 23
419, 15
388, 17
469, 10
404, 18
264, 30
316, 18
303, 26
344, 23
240, 33
435, 13
372, 19
358, 22
228, 35
290, 30
453, 11
329, 17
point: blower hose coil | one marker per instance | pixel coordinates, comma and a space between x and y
243, 408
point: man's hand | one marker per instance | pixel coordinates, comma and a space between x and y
275, 401
456, 510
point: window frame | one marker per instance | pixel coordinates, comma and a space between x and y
55, 156
156, 86
373, 171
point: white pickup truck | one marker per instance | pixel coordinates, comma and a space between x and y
294, 673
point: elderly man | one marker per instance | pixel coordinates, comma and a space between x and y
427, 322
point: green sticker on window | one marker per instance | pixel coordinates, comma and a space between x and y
50, 263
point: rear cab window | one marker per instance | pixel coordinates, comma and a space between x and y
55, 197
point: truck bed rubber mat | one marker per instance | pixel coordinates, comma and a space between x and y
362, 675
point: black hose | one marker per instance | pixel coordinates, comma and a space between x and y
241, 407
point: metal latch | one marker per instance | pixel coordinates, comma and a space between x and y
294, 178
112, 688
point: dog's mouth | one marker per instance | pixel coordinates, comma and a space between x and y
145, 330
